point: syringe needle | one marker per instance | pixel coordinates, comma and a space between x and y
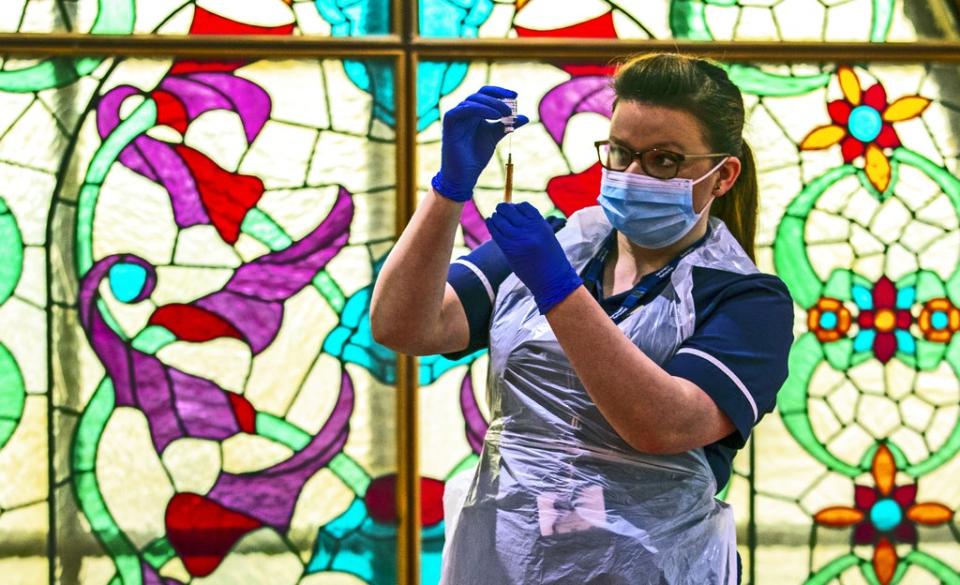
508, 185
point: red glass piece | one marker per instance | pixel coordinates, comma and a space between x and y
600, 27
203, 532
574, 192
190, 323
244, 411
226, 196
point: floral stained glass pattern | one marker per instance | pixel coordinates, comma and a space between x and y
702, 20
203, 245
871, 274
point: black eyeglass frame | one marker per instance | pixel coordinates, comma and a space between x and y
639, 156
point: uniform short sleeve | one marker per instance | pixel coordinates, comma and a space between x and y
475, 278
739, 349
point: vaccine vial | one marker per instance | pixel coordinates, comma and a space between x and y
508, 121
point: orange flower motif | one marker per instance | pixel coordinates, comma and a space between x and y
884, 514
939, 320
863, 125
828, 319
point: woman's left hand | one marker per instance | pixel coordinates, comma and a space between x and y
533, 253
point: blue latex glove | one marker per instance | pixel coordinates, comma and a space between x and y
469, 140
533, 253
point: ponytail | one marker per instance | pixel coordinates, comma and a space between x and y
738, 207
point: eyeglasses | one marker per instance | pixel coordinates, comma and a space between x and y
655, 162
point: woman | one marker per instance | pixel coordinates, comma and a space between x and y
631, 352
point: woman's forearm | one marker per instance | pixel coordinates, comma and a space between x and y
651, 410
407, 304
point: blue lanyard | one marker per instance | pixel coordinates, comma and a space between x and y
652, 282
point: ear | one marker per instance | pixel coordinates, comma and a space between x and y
726, 176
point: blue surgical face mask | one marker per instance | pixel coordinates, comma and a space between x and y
652, 213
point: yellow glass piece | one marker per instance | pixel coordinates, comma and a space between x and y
929, 513
823, 137
838, 516
849, 84
877, 168
245, 453
126, 451
884, 470
905, 108
885, 320
884, 561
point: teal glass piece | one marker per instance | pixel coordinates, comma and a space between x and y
353, 543
127, 281
864, 340
886, 514
828, 320
863, 297
905, 342
939, 320
906, 297
865, 123
438, 18
431, 547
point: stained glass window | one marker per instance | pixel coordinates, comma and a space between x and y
700, 20
197, 241
859, 217
182, 17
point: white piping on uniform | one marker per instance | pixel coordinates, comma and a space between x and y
723, 368
479, 273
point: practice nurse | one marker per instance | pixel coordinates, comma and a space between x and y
632, 350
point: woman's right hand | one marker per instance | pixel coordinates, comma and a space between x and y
469, 140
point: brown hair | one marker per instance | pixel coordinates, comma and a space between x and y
702, 89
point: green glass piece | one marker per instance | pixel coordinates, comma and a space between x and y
950, 185
158, 553
12, 395
805, 356
114, 17
688, 20
929, 286
330, 290
281, 431
881, 20
264, 229
839, 285
11, 252
152, 339
947, 574
839, 354
756, 81
833, 569
141, 120
468, 462
789, 249
90, 427
350, 473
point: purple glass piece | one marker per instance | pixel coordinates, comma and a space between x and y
175, 404
475, 230
257, 320
251, 300
154, 160
278, 276
198, 98
150, 577
271, 495
590, 93
250, 101
476, 426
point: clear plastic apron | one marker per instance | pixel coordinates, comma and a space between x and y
558, 496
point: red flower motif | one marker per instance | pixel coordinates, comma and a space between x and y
863, 125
